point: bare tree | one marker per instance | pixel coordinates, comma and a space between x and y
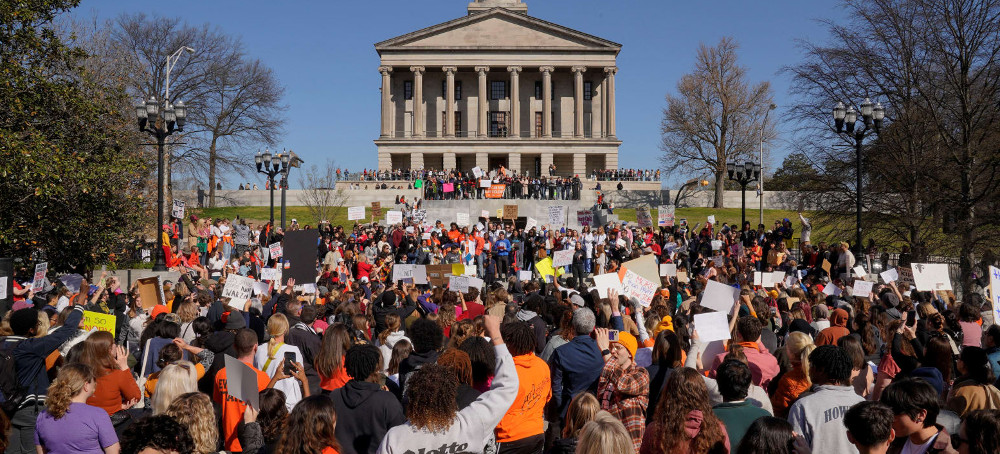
320, 193
716, 116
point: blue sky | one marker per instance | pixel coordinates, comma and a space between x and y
324, 56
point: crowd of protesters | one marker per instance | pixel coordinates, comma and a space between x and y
422, 174
357, 362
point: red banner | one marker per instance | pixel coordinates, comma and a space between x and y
495, 191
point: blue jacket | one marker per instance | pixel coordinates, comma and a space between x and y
575, 367
30, 354
506, 247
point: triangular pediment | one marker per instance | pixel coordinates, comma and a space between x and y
498, 28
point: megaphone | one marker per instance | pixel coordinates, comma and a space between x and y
294, 160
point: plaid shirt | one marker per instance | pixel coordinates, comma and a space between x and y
624, 392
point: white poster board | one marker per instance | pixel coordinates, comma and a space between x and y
178, 210
638, 287
355, 213
38, 282
668, 269
712, 326
462, 219
524, 275
557, 215
530, 224
719, 296
605, 281
931, 277
477, 172
862, 289
238, 289
393, 217
562, 258
995, 292
241, 382
276, 250
889, 275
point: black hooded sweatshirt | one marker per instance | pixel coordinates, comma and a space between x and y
364, 414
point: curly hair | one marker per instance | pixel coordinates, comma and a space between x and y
161, 432
688, 392
458, 362
194, 411
431, 392
460, 331
426, 335
311, 427
69, 382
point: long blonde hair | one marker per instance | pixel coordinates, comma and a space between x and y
604, 434
798, 346
194, 411
277, 326
176, 379
70, 382
582, 409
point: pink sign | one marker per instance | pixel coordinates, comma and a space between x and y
449, 187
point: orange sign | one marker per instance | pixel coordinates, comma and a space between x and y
495, 191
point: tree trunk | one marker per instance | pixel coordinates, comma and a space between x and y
212, 156
965, 258
720, 189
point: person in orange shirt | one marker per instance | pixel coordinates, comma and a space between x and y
232, 408
109, 362
796, 381
330, 359
522, 427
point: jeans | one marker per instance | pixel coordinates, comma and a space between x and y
503, 265
22, 430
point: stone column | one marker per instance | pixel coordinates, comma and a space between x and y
580, 165
578, 100
610, 71
604, 107
515, 103
384, 160
386, 100
419, 119
449, 127
484, 103
546, 161
417, 160
546, 100
482, 161
514, 162
449, 162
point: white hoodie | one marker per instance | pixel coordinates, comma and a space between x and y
386, 348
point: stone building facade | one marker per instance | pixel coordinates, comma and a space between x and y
498, 87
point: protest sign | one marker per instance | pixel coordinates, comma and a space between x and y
495, 191
562, 258
72, 282
269, 274
178, 210
931, 277
438, 274
485, 184
150, 292
643, 218
758, 278
995, 292
905, 277
462, 219
103, 322
682, 276
3, 287
417, 184
603, 282
419, 215
420, 274
530, 224
638, 287
859, 272
355, 213
791, 281
261, 288
448, 187
668, 269
826, 266
402, 271
665, 216
644, 266
459, 284
308, 288
275, 250
510, 211
265, 255
300, 249
477, 172
719, 296
585, 217
711, 219
241, 382
484, 214
718, 260
716, 245
831, 290
524, 275
712, 326
862, 289
500, 213
38, 283
238, 289
376, 210
767, 280
889, 275
475, 282
545, 268
393, 217
557, 215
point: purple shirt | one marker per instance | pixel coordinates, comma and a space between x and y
972, 334
83, 429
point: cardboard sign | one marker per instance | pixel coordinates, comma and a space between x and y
905, 277
103, 322
376, 209
719, 296
477, 172
557, 215
355, 213
510, 211
638, 287
862, 289
682, 276
665, 216
931, 277
38, 283
178, 210
605, 281
562, 258
438, 275
241, 382
530, 224
668, 269
495, 191
995, 292
238, 289
393, 217
826, 266
585, 217
485, 184
712, 326
462, 219
150, 291
643, 218
889, 275
275, 250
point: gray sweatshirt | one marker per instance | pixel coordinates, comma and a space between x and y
472, 426
819, 417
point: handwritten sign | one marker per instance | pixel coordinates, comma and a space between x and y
485, 184
462, 219
38, 283
668, 269
270, 274
562, 258
355, 213
238, 288
459, 284
585, 217
665, 216
826, 266
859, 272
510, 211
448, 187
530, 224
103, 322
638, 287
643, 217
477, 172
711, 219
393, 217
557, 215
603, 282
862, 289
376, 209
889, 275
178, 210
905, 277
275, 249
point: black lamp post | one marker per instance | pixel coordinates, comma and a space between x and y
272, 166
871, 116
160, 120
743, 174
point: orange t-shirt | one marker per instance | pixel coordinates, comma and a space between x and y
524, 417
338, 380
113, 388
154, 378
232, 409
330, 450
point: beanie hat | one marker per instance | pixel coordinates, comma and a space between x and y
157, 310
629, 342
666, 323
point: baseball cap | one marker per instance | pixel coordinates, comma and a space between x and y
577, 300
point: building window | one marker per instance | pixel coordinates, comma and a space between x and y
588, 90
538, 124
458, 89
538, 89
498, 90
498, 124
407, 89
458, 123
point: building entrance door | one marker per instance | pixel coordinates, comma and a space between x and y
496, 161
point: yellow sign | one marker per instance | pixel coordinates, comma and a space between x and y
103, 322
545, 268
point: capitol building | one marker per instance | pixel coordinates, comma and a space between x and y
498, 87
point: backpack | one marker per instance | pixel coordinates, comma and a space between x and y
13, 394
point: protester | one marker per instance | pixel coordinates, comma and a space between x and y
245, 347
870, 427
68, 423
311, 428
819, 416
365, 411
735, 412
